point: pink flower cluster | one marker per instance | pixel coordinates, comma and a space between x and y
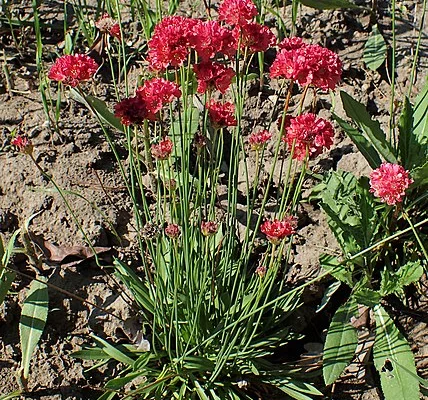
73, 69
209, 228
213, 75
163, 149
148, 101
309, 135
221, 114
278, 230
258, 139
307, 64
389, 182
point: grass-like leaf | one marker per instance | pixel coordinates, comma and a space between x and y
375, 49
358, 113
394, 360
420, 118
33, 319
340, 344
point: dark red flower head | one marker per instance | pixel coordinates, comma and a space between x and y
389, 182
163, 149
254, 37
307, 65
169, 45
221, 114
73, 69
209, 228
213, 75
309, 135
156, 93
172, 231
278, 230
107, 24
237, 12
132, 110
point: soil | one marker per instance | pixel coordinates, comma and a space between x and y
81, 163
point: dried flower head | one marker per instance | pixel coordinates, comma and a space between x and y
209, 38
261, 271
163, 149
389, 182
132, 110
107, 24
23, 144
156, 93
170, 184
307, 65
309, 135
278, 230
254, 37
221, 114
199, 141
209, 228
212, 75
73, 69
237, 12
258, 139
172, 231
169, 45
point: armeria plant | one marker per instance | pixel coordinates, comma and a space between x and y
214, 311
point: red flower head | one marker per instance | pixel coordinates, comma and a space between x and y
107, 24
309, 134
169, 45
23, 144
163, 149
209, 228
213, 75
237, 12
209, 38
261, 271
172, 231
277, 230
221, 115
156, 93
258, 139
307, 64
389, 182
254, 37
132, 110
287, 121
292, 43
73, 69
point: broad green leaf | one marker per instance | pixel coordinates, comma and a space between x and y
411, 152
420, 118
367, 297
365, 147
183, 130
113, 351
6, 280
94, 353
34, 314
340, 343
394, 360
328, 4
375, 49
406, 275
118, 383
420, 175
330, 291
358, 113
340, 271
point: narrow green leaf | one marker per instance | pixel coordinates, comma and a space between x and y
375, 49
340, 344
358, 113
330, 291
410, 150
90, 354
328, 4
10, 396
394, 360
420, 175
363, 145
112, 351
32, 323
101, 108
118, 383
